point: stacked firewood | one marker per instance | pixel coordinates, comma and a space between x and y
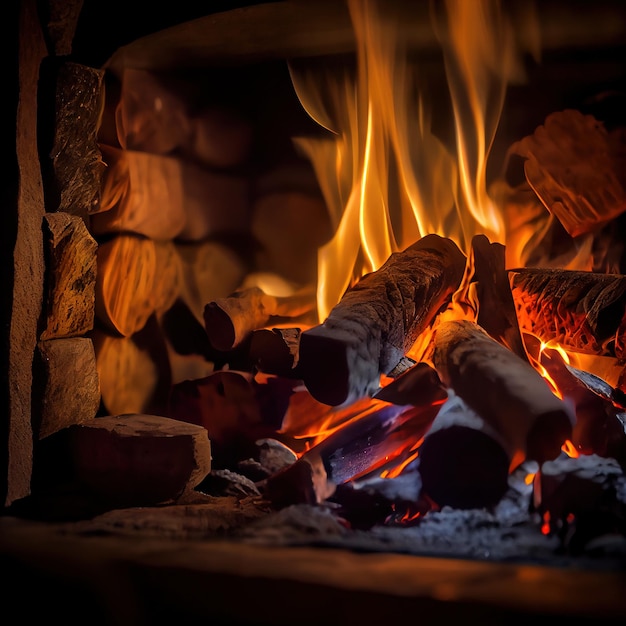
184, 220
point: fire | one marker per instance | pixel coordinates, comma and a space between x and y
387, 176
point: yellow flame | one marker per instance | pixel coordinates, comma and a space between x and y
387, 177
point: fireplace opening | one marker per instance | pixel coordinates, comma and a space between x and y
336, 308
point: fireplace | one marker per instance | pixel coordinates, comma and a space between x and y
140, 327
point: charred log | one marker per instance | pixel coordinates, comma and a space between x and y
378, 320
382, 434
496, 310
463, 461
583, 311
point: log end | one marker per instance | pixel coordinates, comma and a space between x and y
548, 434
219, 327
463, 468
330, 369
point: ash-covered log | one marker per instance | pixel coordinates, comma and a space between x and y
463, 461
506, 391
581, 499
583, 311
378, 320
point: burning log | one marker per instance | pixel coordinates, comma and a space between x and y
463, 460
378, 320
496, 310
600, 420
383, 432
418, 386
503, 389
583, 311
229, 321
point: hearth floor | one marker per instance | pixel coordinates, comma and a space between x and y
85, 573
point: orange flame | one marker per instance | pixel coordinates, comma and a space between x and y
386, 176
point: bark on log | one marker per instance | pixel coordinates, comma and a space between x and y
505, 391
70, 277
378, 320
70, 388
582, 311
229, 321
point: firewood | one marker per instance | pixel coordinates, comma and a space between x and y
214, 203
290, 227
142, 193
142, 126
599, 427
71, 276
134, 371
571, 165
582, 311
275, 350
578, 498
129, 460
378, 320
125, 283
304, 482
503, 389
463, 461
418, 386
62, 404
382, 433
210, 270
220, 138
230, 320
496, 308
231, 406
169, 270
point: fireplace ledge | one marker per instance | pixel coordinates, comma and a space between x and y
139, 577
